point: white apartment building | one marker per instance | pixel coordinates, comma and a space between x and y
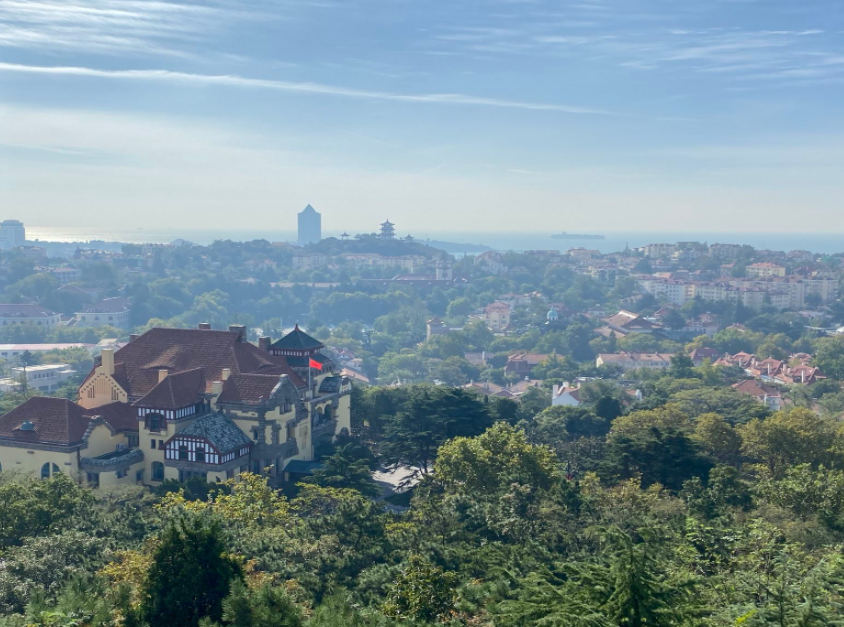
724, 251
12, 234
659, 251
45, 378
111, 312
28, 313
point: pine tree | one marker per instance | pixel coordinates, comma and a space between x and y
190, 575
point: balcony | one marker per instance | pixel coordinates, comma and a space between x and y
112, 462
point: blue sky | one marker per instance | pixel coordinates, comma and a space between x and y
470, 115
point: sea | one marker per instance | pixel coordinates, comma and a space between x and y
614, 241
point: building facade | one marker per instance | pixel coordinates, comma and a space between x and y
29, 314
310, 226
12, 234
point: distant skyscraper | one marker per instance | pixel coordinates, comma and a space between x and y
12, 234
310, 226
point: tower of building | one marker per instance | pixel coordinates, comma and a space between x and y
310, 226
12, 234
388, 230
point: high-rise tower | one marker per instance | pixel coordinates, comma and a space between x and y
12, 234
310, 226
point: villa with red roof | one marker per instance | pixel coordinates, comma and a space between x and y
182, 403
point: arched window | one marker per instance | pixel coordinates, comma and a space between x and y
157, 471
200, 454
183, 452
49, 470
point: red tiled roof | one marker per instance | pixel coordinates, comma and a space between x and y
176, 390
55, 421
121, 416
248, 388
176, 350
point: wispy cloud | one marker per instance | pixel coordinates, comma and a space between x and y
184, 78
128, 27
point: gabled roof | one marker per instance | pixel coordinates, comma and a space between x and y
176, 390
119, 416
137, 363
297, 340
756, 389
219, 431
53, 421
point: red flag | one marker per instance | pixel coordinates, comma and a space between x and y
313, 363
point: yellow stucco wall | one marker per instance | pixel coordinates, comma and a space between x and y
30, 461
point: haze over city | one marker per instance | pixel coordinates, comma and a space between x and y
499, 116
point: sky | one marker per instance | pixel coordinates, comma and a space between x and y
449, 115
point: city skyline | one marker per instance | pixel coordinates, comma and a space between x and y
646, 115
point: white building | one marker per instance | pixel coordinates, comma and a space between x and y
12, 234
45, 378
28, 313
112, 312
565, 396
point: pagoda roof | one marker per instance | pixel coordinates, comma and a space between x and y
297, 340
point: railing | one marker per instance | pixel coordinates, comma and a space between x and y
115, 460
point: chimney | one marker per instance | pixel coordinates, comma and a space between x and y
162, 374
556, 391
227, 372
264, 343
240, 329
216, 390
107, 356
133, 337
204, 326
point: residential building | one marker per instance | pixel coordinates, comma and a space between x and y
765, 394
28, 313
492, 262
179, 403
112, 312
11, 351
725, 251
659, 251
12, 234
496, 316
66, 274
310, 226
631, 361
764, 270
523, 363
565, 395
625, 322
44, 377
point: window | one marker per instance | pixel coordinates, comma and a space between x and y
157, 471
122, 473
132, 440
154, 421
200, 454
183, 452
152, 444
139, 476
49, 470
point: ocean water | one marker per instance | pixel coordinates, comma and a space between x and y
614, 240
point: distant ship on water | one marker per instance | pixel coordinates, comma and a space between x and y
565, 235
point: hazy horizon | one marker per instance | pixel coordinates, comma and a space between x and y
641, 114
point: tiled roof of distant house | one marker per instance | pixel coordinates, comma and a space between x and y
248, 388
24, 310
46, 421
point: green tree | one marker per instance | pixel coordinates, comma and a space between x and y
422, 592
263, 606
190, 575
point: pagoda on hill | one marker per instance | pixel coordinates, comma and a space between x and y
388, 230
